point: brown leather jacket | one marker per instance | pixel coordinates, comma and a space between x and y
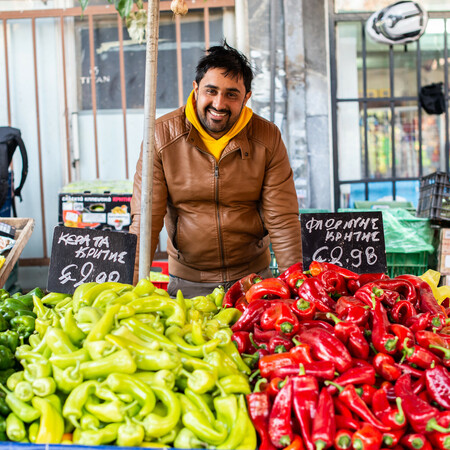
219, 215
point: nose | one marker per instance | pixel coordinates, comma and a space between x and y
219, 102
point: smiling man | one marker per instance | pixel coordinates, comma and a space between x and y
222, 182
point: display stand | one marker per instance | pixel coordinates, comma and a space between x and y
24, 227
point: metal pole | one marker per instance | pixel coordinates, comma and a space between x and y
151, 60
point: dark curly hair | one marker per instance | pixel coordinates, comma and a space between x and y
227, 58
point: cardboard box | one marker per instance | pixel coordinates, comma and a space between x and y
101, 206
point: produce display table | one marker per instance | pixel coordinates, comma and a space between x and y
24, 227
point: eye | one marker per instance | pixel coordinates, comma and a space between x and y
210, 91
232, 95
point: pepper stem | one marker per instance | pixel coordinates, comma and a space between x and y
334, 318
254, 375
417, 443
432, 425
332, 383
400, 416
258, 384
320, 444
444, 350
301, 371
286, 327
285, 440
391, 344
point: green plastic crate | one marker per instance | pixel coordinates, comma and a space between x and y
407, 263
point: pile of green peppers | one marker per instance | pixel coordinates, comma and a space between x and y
125, 365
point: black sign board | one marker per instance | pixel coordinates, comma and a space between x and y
84, 255
354, 240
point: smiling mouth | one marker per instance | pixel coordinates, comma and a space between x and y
216, 115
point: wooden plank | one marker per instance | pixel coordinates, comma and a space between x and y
24, 228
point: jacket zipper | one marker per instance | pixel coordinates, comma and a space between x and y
216, 176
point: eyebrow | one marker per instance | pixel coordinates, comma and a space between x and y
216, 87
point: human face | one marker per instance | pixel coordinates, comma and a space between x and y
219, 101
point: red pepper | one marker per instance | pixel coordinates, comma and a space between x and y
441, 440
401, 285
271, 288
241, 303
355, 375
295, 280
296, 444
261, 335
420, 384
420, 356
308, 324
279, 317
421, 416
352, 310
316, 268
415, 441
280, 430
295, 267
384, 365
305, 392
326, 347
418, 322
270, 363
274, 386
353, 401
382, 340
392, 438
259, 407
367, 393
402, 333
390, 298
302, 352
279, 344
438, 385
352, 336
392, 417
323, 370
445, 352
402, 311
363, 279
238, 289
243, 342
408, 369
313, 291
250, 316
367, 438
333, 283
426, 338
345, 422
343, 439
368, 294
324, 425
303, 309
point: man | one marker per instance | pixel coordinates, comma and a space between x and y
222, 181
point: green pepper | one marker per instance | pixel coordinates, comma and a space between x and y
6, 358
237, 433
67, 379
79, 293
164, 378
230, 349
124, 332
169, 308
44, 386
51, 423
21, 409
185, 403
36, 291
156, 425
217, 295
144, 288
9, 339
24, 391
234, 384
130, 434
36, 370
105, 299
204, 304
213, 434
228, 316
23, 325
200, 381
39, 308
58, 341
104, 435
192, 363
250, 438
127, 384
71, 328
4, 408
197, 332
227, 410
4, 325
25, 312
151, 320
3, 294
200, 402
104, 325
175, 334
73, 406
26, 353
99, 349
147, 333
221, 362
145, 358
111, 411
14, 304
15, 428
87, 317
27, 300
70, 359
13, 379
120, 361
7, 312
187, 439
5, 374
53, 298
89, 422
88, 297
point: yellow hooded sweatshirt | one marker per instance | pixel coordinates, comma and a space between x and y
216, 146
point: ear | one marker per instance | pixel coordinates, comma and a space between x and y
195, 86
247, 97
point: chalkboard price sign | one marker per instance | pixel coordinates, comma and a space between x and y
354, 240
84, 255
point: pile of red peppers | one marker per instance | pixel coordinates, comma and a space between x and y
343, 360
